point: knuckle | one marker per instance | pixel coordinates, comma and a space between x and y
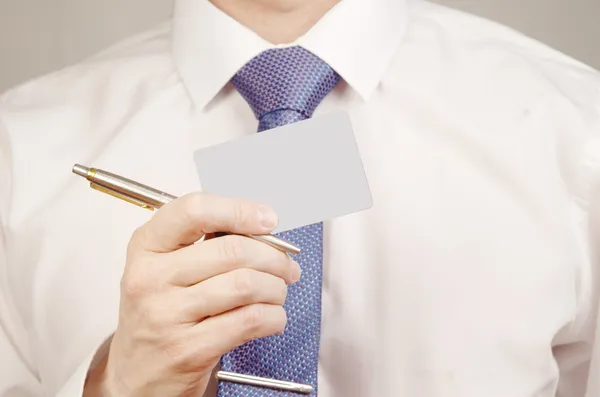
192, 207
242, 214
253, 320
192, 310
244, 283
233, 248
140, 278
261, 320
133, 287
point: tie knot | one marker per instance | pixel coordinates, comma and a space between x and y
284, 79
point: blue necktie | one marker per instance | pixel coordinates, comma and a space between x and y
283, 86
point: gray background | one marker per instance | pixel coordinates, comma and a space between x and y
38, 36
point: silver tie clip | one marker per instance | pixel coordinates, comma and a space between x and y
264, 382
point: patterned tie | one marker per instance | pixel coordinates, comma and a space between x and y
283, 86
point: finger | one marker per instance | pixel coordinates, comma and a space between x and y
186, 219
218, 335
199, 262
229, 291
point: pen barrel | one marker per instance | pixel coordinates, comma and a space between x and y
148, 197
151, 196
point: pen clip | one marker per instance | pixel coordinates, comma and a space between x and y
120, 195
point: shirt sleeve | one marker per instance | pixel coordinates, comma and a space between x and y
18, 373
74, 386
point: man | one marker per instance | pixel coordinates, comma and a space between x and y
474, 274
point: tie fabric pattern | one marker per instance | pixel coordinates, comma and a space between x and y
283, 86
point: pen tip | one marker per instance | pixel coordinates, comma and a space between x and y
81, 170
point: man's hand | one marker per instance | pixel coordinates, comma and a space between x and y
183, 305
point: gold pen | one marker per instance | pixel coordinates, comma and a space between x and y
150, 198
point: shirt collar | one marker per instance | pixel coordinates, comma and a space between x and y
357, 38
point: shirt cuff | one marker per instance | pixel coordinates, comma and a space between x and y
75, 384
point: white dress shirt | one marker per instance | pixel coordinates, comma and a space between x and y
474, 274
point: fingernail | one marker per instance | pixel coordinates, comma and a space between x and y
267, 217
296, 272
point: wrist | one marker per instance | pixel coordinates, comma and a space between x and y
97, 383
